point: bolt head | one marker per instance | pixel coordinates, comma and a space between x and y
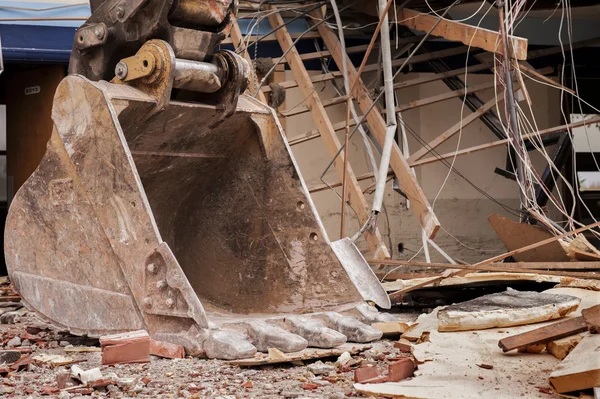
170, 302
152, 268
120, 12
147, 302
161, 284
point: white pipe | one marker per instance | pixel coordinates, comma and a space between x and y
390, 131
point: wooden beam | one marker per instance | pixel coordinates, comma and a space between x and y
301, 138
452, 131
408, 181
303, 108
323, 187
236, 37
327, 132
544, 334
444, 96
497, 267
373, 67
507, 266
439, 76
498, 143
467, 34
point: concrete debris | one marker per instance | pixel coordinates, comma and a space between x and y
504, 309
87, 377
320, 368
10, 318
13, 342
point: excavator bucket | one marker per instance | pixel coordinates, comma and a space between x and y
141, 217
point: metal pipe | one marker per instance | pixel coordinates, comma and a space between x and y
390, 130
198, 76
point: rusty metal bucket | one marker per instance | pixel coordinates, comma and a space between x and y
143, 219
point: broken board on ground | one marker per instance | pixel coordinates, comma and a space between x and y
505, 309
307, 354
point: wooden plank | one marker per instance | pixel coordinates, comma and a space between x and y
408, 181
544, 334
323, 187
453, 130
490, 267
373, 67
327, 132
531, 71
502, 142
592, 318
301, 138
236, 37
467, 34
303, 108
580, 369
306, 354
514, 235
444, 96
508, 266
439, 76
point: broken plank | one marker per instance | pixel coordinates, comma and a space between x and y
490, 267
580, 369
467, 34
515, 235
544, 334
592, 318
406, 177
306, 354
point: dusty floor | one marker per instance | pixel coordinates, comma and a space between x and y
180, 378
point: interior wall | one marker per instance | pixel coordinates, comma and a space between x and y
461, 209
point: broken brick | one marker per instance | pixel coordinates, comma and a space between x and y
365, 373
166, 349
25, 360
309, 386
401, 369
485, 366
248, 384
48, 390
404, 345
130, 347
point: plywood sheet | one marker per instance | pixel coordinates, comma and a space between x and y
517, 235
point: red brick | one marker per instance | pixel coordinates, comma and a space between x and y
363, 374
404, 345
130, 347
401, 369
310, 386
248, 384
166, 349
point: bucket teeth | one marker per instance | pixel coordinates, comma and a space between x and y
228, 344
264, 336
312, 330
353, 329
